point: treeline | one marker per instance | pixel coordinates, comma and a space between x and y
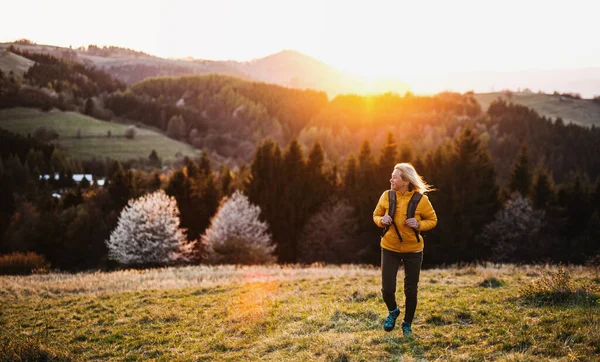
220, 113
70, 231
564, 149
315, 211
55, 82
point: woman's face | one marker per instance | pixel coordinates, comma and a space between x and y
396, 182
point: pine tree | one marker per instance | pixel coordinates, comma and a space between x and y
153, 158
89, 107
364, 199
236, 235
317, 186
197, 199
120, 188
406, 152
226, 180
204, 166
350, 175
294, 207
543, 193
473, 192
387, 160
520, 177
148, 233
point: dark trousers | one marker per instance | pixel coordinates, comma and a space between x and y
390, 263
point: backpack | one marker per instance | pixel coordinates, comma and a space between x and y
410, 212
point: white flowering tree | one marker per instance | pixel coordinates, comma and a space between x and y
236, 235
148, 232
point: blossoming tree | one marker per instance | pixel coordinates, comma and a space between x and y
236, 235
148, 232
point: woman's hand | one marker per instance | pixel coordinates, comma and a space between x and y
412, 222
386, 220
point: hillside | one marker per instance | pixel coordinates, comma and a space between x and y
584, 112
286, 68
93, 140
13, 62
282, 313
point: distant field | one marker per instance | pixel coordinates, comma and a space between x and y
285, 313
94, 140
583, 112
13, 62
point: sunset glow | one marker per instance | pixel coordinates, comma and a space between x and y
375, 39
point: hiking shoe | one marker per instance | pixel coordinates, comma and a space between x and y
406, 330
390, 321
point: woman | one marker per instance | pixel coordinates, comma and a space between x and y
401, 243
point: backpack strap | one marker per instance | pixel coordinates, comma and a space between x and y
391, 212
412, 207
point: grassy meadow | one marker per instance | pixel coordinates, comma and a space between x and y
94, 140
284, 313
583, 112
13, 62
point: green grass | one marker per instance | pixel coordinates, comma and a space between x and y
584, 112
93, 141
285, 313
13, 62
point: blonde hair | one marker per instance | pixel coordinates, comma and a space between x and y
408, 173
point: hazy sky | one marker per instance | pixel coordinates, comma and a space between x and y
373, 38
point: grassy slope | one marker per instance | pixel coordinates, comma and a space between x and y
93, 132
580, 111
14, 62
331, 313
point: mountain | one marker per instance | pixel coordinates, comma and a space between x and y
287, 68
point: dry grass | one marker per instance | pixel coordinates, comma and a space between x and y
99, 283
584, 112
281, 313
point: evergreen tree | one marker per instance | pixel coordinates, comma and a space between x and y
406, 153
264, 186
351, 175
120, 187
543, 193
317, 186
153, 158
364, 199
387, 161
520, 177
226, 179
473, 192
180, 187
294, 211
204, 164
89, 107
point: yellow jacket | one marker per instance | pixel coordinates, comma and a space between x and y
424, 214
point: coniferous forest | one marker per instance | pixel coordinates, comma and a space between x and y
511, 185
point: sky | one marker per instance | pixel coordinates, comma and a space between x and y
370, 38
